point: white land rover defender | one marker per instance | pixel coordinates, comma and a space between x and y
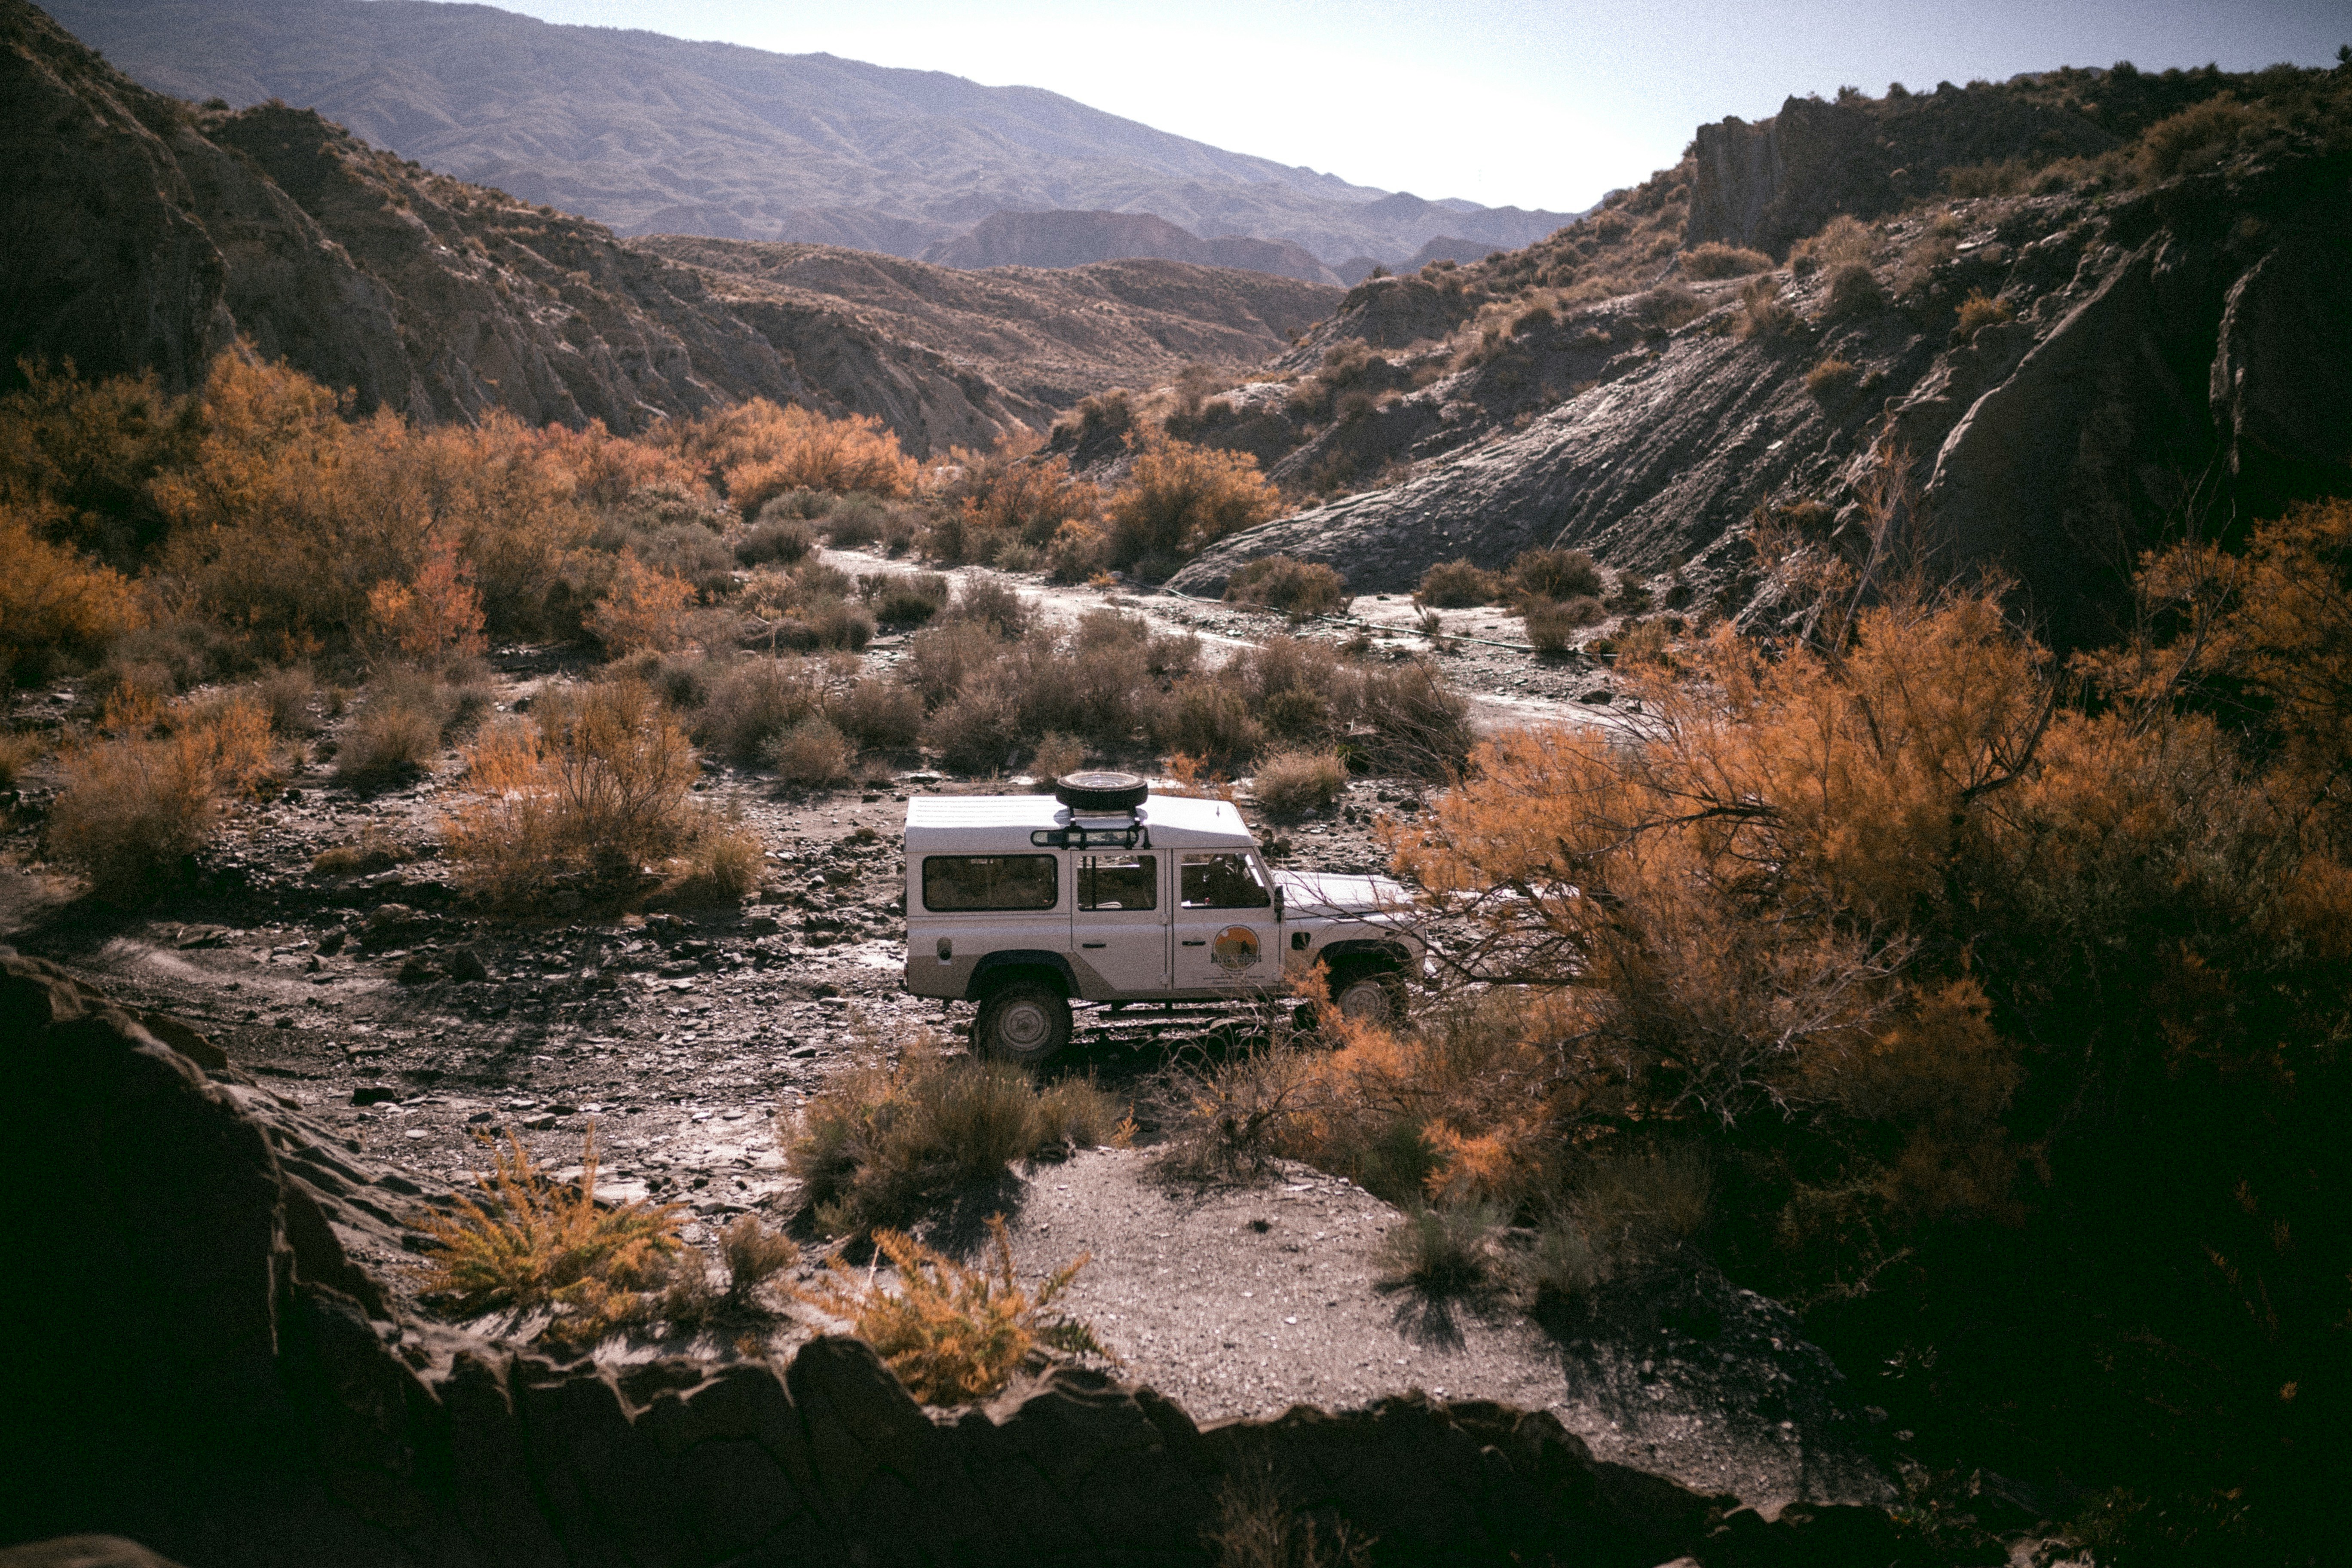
1105, 892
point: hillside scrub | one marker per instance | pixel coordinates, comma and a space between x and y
137, 803
757, 450
1298, 588
1955, 979
1179, 499
1005, 499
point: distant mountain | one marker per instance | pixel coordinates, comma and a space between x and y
653, 134
1044, 337
145, 234
1074, 240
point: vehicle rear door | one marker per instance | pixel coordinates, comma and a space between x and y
1119, 928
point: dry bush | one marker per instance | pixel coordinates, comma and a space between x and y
54, 604
1207, 717
1417, 726
1458, 585
1716, 259
1646, 642
1671, 306
1256, 1529
879, 715
1298, 588
812, 754
720, 864
131, 810
289, 695
909, 601
526, 1244
758, 451
1845, 241
1552, 623
1448, 1250
645, 608
18, 753
1179, 499
978, 730
953, 1335
1555, 573
993, 605
1854, 290
881, 1140
1923, 258
775, 540
1763, 314
1288, 783
1980, 310
754, 702
2196, 138
1832, 379
1056, 755
753, 1255
939, 658
595, 782
1632, 1196
1079, 554
434, 620
1007, 497
395, 733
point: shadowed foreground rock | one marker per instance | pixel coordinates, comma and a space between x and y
203, 1369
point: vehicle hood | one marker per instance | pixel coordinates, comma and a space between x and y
1329, 893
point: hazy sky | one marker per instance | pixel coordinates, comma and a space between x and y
1503, 102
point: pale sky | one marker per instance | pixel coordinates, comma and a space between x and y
1505, 102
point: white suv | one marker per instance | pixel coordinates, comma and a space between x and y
1108, 893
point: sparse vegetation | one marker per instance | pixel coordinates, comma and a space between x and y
1552, 623
1978, 310
1715, 259
1555, 573
1832, 379
1289, 782
884, 1139
529, 1244
1298, 588
1458, 585
953, 1334
1179, 499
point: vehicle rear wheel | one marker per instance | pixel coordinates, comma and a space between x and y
1369, 993
1022, 1021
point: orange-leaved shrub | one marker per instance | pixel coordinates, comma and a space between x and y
1179, 499
758, 450
136, 806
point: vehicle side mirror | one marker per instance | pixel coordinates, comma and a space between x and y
1277, 903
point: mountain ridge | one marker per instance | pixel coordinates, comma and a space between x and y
647, 133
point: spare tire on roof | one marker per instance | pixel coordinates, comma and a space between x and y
1100, 791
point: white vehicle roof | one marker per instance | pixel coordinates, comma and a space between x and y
982, 823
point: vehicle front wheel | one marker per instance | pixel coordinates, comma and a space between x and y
1023, 1022
1371, 994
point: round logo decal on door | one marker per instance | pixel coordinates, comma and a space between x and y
1235, 948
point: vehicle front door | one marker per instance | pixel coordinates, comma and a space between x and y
1225, 935
1120, 927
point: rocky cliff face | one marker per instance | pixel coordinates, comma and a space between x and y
2171, 357
218, 1377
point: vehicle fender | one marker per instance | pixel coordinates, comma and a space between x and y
1055, 964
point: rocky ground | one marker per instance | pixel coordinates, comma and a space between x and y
396, 1026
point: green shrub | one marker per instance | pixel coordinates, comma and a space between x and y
1207, 719
758, 700
1552, 623
1458, 585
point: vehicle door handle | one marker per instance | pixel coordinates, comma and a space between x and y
1199, 941
1091, 944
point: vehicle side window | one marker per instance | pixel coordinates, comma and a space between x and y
1223, 882
990, 882
1118, 882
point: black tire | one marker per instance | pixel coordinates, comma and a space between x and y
1022, 1021
1101, 791
1369, 990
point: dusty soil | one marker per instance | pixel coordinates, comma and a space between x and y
389, 1017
